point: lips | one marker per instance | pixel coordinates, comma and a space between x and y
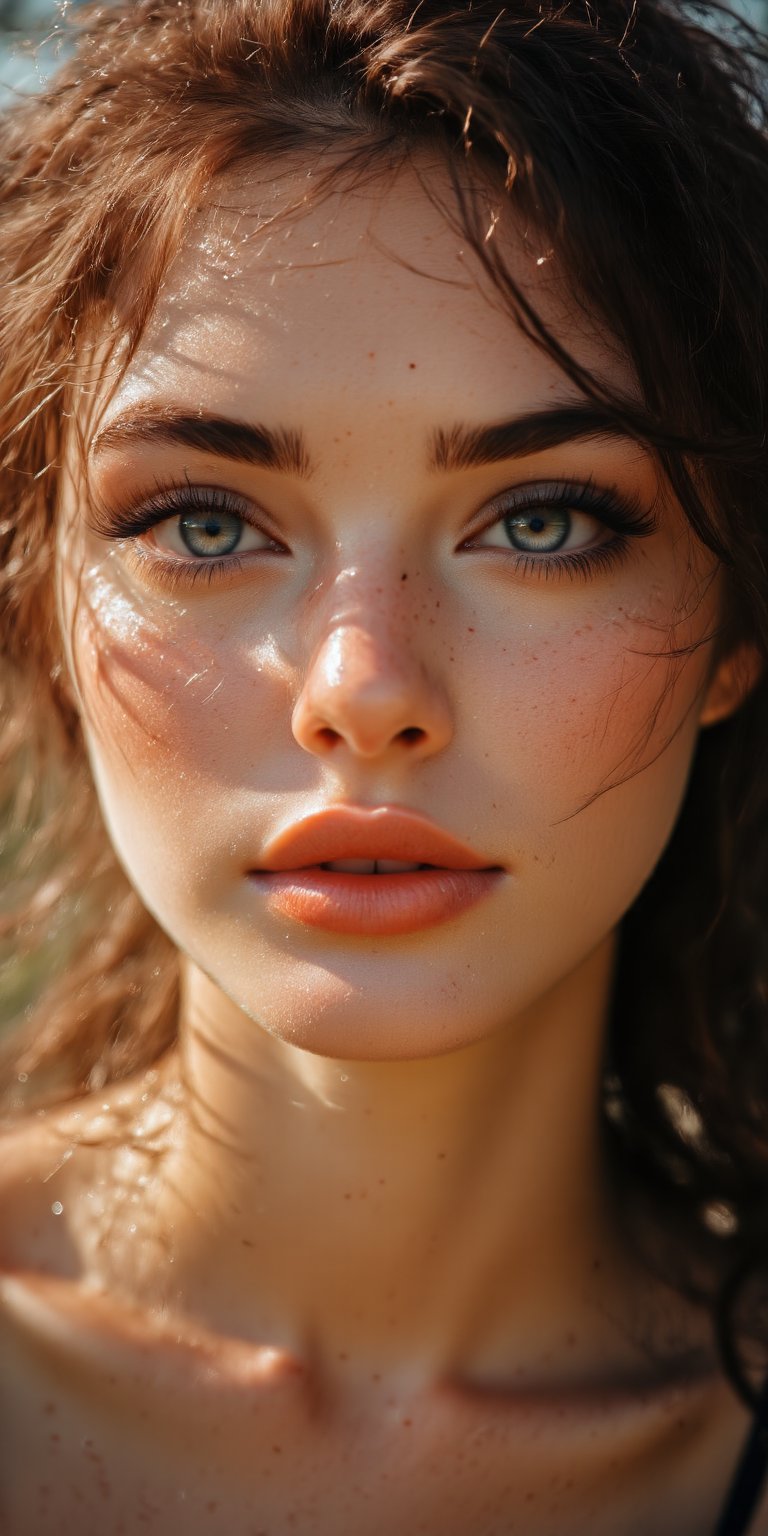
353, 832
381, 871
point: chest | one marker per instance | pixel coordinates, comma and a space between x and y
130, 1447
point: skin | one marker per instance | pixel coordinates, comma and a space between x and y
375, 1206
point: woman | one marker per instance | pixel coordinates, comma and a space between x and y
383, 437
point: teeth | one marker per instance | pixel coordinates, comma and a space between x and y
371, 866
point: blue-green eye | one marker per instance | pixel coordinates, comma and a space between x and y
203, 526
559, 525
542, 530
210, 533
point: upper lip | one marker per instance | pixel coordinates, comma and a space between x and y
355, 832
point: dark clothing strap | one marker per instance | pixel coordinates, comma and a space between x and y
748, 1480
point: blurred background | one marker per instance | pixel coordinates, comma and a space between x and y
24, 25
27, 53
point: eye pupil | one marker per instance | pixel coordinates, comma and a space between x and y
210, 533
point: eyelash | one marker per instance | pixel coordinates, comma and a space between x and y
128, 524
623, 515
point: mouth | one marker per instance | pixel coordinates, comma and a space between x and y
374, 872
373, 867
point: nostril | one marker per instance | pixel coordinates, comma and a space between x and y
327, 736
412, 734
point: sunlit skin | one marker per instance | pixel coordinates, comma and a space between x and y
382, 1200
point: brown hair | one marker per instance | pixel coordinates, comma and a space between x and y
632, 138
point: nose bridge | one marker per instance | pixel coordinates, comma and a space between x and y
365, 683
365, 611
366, 588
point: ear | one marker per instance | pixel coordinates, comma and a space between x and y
731, 683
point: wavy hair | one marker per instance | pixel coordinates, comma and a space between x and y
631, 138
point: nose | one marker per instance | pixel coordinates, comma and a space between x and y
366, 690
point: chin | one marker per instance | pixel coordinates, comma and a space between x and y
316, 1008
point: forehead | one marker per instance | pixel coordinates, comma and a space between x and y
365, 295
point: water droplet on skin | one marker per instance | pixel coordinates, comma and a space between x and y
57, 1208
344, 1077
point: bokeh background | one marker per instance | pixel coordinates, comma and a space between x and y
25, 57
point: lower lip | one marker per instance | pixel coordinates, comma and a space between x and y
373, 904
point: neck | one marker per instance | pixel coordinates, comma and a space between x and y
415, 1211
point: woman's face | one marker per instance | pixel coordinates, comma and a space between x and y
325, 573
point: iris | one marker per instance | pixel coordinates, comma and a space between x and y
541, 530
210, 533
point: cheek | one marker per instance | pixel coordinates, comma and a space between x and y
176, 717
592, 731
586, 693
606, 702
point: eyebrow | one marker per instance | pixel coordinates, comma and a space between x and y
284, 449
250, 444
465, 447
